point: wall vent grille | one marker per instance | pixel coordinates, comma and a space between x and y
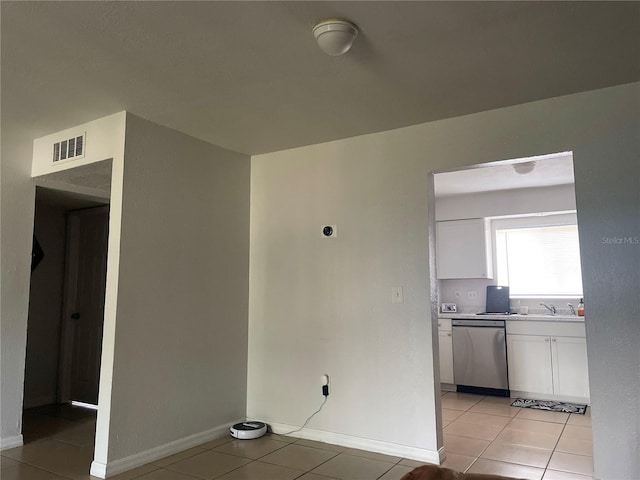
70, 148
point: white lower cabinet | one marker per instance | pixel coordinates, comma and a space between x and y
554, 366
446, 356
529, 361
445, 343
569, 358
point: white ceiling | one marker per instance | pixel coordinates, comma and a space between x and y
548, 171
93, 175
78, 186
248, 75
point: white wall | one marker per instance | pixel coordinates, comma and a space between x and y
103, 141
17, 205
507, 202
179, 348
321, 305
45, 308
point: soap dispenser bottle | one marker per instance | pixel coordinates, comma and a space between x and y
581, 308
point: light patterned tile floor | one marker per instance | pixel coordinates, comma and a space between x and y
520, 442
481, 435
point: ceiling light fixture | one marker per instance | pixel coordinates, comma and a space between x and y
524, 168
335, 36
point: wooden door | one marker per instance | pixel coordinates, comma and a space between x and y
87, 234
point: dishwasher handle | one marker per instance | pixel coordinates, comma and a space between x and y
477, 323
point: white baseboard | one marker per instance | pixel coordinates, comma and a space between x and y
10, 442
420, 454
99, 469
102, 470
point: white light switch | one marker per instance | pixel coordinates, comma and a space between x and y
396, 295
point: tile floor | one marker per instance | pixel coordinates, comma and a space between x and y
481, 434
488, 435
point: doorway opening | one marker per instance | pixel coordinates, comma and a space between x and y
480, 219
66, 304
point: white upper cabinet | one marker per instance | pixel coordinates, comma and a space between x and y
463, 249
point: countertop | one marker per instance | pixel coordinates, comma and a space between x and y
532, 317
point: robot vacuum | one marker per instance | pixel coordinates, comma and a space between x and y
248, 430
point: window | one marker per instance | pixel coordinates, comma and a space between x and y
539, 261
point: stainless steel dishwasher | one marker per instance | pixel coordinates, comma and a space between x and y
480, 356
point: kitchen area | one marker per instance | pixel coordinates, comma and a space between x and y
534, 356
511, 320
509, 282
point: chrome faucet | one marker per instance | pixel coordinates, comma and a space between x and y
573, 310
549, 307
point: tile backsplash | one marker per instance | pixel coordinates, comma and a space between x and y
461, 292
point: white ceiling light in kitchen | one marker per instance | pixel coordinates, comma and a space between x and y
524, 168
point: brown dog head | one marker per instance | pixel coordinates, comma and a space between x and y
434, 472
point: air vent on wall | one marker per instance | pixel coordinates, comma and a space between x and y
68, 149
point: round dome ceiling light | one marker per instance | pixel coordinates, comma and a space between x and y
335, 36
524, 168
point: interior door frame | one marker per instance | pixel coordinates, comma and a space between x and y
67, 338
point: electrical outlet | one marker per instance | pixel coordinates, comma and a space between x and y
472, 294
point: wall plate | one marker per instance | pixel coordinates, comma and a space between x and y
449, 307
329, 231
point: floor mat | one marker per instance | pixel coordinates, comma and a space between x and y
550, 405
